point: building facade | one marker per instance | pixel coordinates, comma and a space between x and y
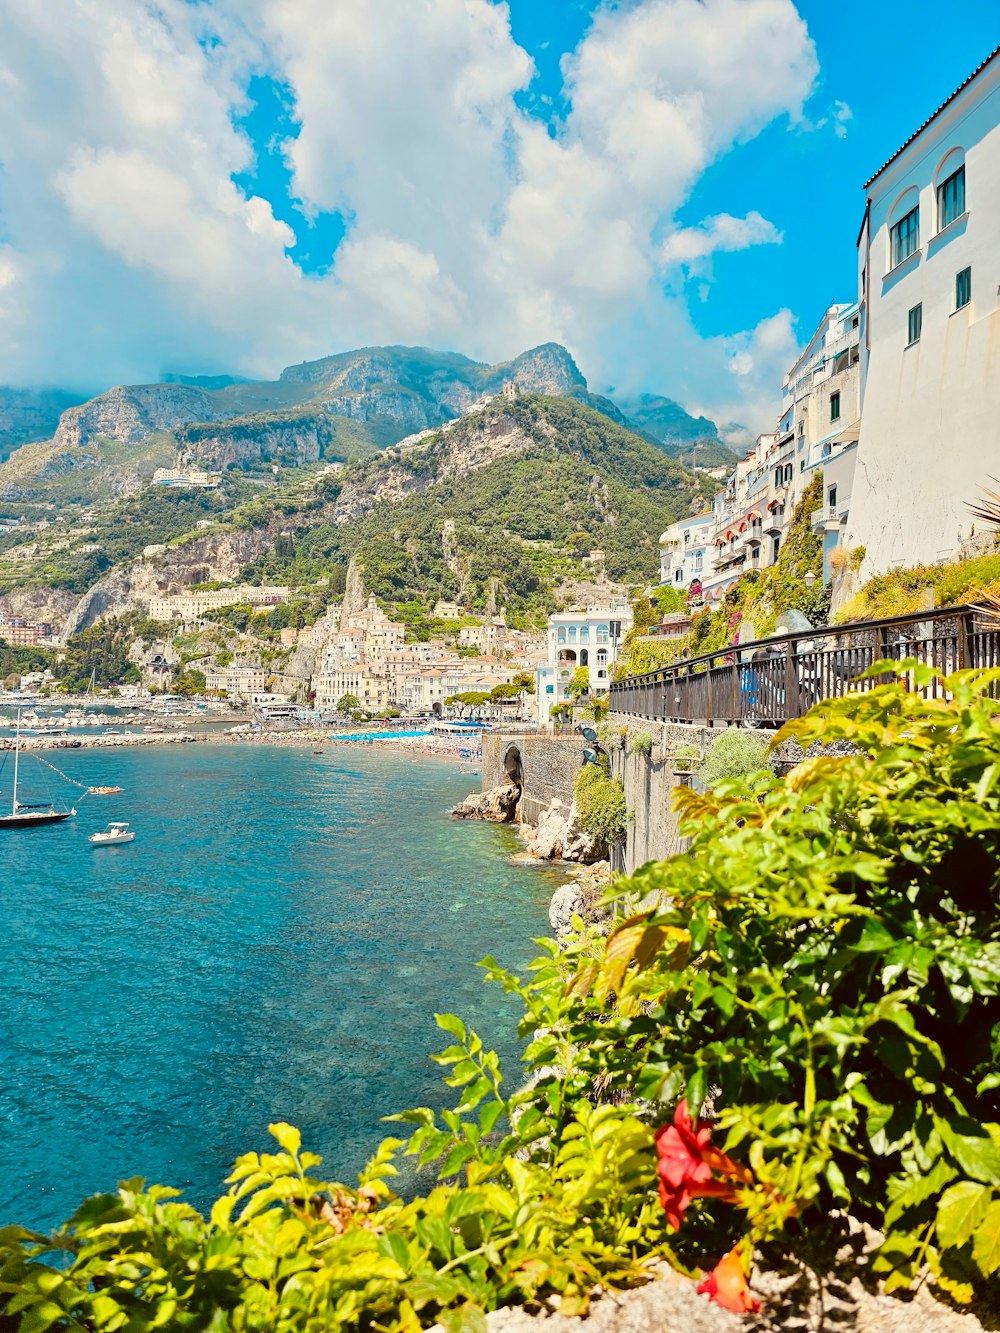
928, 279
684, 548
577, 638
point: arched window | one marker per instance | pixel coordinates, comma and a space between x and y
584, 657
584, 633
904, 226
602, 634
949, 183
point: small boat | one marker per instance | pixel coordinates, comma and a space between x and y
103, 791
112, 836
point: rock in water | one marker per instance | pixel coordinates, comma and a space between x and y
567, 902
560, 836
497, 806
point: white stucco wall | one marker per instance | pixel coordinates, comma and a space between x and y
930, 430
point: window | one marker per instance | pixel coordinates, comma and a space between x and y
914, 323
602, 657
561, 634
904, 236
584, 633
602, 634
831, 497
951, 198
775, 548
572, 634
963, 288
835, 406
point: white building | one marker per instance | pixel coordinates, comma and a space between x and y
929, 273
588, 638
684, 549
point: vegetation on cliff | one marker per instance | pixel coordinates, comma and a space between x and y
498, 530
760, 596
825, 958
902, 591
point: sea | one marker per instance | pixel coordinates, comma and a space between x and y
273, 946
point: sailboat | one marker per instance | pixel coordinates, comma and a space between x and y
28, 816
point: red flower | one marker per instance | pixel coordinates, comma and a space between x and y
686, 1163
727, 1285
681, 1168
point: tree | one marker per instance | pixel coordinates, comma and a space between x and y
524, 682
580, 684
347, 703
189, 682
503, 691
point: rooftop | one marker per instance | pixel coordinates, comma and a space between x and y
934, 114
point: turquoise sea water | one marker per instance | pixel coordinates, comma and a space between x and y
271, 947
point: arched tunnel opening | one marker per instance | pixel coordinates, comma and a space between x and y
514, 769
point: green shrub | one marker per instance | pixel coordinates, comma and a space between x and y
734, 754
600, 804
641, 742
825, 957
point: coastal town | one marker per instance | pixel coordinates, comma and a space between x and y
342, 671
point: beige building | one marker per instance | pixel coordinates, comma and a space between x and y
372, 691
188, 606
237, 681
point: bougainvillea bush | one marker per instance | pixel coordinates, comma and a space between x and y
803, 1022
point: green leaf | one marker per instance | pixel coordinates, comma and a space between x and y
287, 1135
960, 1211
976, 1154
451, 1023
986, 1242
393, 1246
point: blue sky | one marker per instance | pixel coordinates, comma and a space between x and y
670, 187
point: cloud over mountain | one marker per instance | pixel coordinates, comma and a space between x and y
126, 245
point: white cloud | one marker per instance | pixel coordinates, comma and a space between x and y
842, 116
469, 224
721, 232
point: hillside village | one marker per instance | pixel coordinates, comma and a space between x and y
214, 620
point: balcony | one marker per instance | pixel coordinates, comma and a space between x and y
828, 517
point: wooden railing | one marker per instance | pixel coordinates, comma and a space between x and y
769, 681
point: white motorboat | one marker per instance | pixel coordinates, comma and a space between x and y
112, 836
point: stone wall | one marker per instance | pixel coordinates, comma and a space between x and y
545, 767
649, 782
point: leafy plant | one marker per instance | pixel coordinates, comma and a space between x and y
641, 742
734, 754
825, 959
600, 803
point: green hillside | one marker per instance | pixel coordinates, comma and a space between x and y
504, 527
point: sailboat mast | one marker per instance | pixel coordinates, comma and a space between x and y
17, 755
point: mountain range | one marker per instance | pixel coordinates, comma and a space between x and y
438, 476
338, 407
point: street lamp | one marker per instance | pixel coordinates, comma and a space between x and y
809, 579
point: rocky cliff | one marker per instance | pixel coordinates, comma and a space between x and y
217, 555
130, 412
